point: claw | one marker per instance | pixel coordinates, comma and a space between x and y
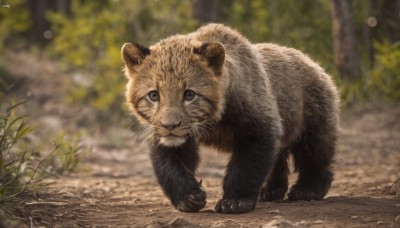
193, 202
235, 206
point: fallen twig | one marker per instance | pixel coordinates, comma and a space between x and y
397, 184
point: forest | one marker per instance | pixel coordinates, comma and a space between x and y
69, 153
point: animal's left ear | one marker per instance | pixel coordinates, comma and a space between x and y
214, 54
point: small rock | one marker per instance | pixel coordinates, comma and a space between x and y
302, 223
274, 211
176, 222
279, 222
368, 219
381, 223
354, 217
318, 222
180, 222
397, 205
397, 218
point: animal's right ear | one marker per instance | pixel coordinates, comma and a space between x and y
133, 54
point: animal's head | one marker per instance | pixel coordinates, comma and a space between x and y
176, 88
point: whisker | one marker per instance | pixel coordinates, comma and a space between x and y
144, 133
202, 129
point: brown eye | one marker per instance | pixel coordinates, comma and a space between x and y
154, 96
189, 95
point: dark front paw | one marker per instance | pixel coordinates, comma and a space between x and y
235, 206
272, 193
193, 202
303, 193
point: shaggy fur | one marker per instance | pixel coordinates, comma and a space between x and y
258, 102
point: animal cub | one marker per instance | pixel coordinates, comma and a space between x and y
259, 102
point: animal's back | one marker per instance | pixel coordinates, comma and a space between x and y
242, 60
304, 91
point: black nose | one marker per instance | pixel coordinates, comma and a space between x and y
170, 126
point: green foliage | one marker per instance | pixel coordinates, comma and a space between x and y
305, 25
13, 163
351, 92
90, 40
384, 80
20, 167
379, 83
84, 38
4, 84
85, 42
249, 17
67, 156
13, 20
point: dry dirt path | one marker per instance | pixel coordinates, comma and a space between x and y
118, 188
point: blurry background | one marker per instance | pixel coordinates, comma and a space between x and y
356, 41
63, 58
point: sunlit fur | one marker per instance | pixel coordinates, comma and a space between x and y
259, 102
171, 69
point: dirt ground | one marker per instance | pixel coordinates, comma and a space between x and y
117, 187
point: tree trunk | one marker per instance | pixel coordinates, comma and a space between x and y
370, 25
38, 17
64, 6
205, 11
389, 21
347, 59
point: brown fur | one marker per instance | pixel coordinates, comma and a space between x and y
273, 96
293, 75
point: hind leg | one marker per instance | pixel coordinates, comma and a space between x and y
277, 182
313, 155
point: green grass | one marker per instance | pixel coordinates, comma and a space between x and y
21, 167
14, 164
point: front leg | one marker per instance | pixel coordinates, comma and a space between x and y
250, 163
175, 168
